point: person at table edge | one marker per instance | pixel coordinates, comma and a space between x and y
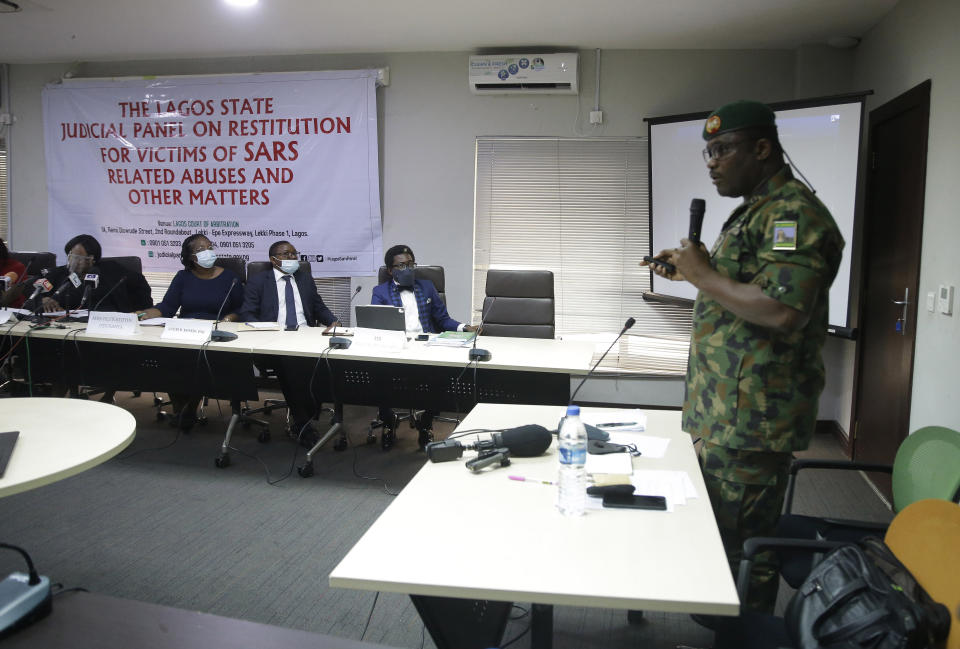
201, 290
424, 311
84, 257
288, 295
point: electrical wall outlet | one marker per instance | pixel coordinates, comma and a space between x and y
596, 117
931, 301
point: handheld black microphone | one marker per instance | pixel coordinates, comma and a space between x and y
697, 207
523, 441
90, 282
216, 335
482, 354
107, 294
341, 342
629, 323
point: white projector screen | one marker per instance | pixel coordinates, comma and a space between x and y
823, 140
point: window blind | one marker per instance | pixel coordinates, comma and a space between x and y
578, 207
4, 195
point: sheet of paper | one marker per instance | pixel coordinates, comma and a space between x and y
262, 326
648, 445
82, 313
675, 486
619, 463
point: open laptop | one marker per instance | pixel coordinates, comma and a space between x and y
380, 316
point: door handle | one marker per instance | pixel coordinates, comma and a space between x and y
901, 325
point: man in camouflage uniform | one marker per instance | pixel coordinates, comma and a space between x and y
759, 322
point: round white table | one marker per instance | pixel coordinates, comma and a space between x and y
60, 438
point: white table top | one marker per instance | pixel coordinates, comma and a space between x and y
60, 438
149, 336
483, 536
529, 354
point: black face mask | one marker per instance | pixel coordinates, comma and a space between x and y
404, 278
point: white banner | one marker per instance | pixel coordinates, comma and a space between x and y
245, 159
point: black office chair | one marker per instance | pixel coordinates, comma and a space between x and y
519, 303
388, 435
35, 261
131, 264
234, 264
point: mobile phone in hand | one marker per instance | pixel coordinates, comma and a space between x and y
666, 265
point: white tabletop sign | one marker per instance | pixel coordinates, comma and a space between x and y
5, 315
380, 338
113, 323
187, 329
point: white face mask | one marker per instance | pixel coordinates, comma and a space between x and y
289, 266
206, 258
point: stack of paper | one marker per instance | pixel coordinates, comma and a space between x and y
453, 339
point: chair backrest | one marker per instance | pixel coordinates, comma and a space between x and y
35, 261
432, 273
235, 264
927, 465
925, 537
255, 267
519, 303
130, 264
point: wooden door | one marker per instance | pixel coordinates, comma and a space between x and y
896, 168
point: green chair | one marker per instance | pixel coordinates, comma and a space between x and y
927, 465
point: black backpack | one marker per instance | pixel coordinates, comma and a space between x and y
862, 596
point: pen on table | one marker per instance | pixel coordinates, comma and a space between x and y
617, 423
520, 478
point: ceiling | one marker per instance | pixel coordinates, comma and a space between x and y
88, 30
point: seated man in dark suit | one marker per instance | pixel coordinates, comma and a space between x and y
83, 257
425, 312
289, 296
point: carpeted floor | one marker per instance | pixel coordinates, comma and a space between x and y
161, 524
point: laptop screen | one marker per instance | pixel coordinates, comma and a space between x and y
381, 316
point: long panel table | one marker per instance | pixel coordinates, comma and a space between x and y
419, 376
505, 542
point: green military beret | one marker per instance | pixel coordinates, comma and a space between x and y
735, 116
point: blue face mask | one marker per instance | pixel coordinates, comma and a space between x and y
289, 266
206, 258
404, 277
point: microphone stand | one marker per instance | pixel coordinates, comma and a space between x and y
107, 294
482, 354
216, 335
341, 342
629, 323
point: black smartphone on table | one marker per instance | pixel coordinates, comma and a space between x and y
629, 501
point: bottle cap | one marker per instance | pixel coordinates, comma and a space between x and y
573, 410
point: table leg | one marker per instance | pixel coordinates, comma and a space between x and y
463, 623
541, 626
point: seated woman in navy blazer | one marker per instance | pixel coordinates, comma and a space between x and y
201, 290
289, 296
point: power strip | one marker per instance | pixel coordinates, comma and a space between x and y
21, 603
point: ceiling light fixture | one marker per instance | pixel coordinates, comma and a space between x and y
242, 4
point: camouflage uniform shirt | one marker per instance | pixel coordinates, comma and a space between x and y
750, 387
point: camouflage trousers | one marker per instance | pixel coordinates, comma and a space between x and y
746, 490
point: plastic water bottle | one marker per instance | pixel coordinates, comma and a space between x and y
572, 482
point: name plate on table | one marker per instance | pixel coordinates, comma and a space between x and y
192, 330
382, 338
112, 323
5, 315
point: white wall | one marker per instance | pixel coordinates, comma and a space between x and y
429, 121
915, 42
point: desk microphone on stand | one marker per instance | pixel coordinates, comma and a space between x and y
107, 294
341, 342
482, 354
629, 323
216, 335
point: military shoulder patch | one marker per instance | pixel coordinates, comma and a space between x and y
784, 235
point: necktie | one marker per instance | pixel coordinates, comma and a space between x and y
291, 322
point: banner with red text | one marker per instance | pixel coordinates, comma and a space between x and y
245, 159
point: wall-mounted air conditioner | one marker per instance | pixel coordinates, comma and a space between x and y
503, 74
